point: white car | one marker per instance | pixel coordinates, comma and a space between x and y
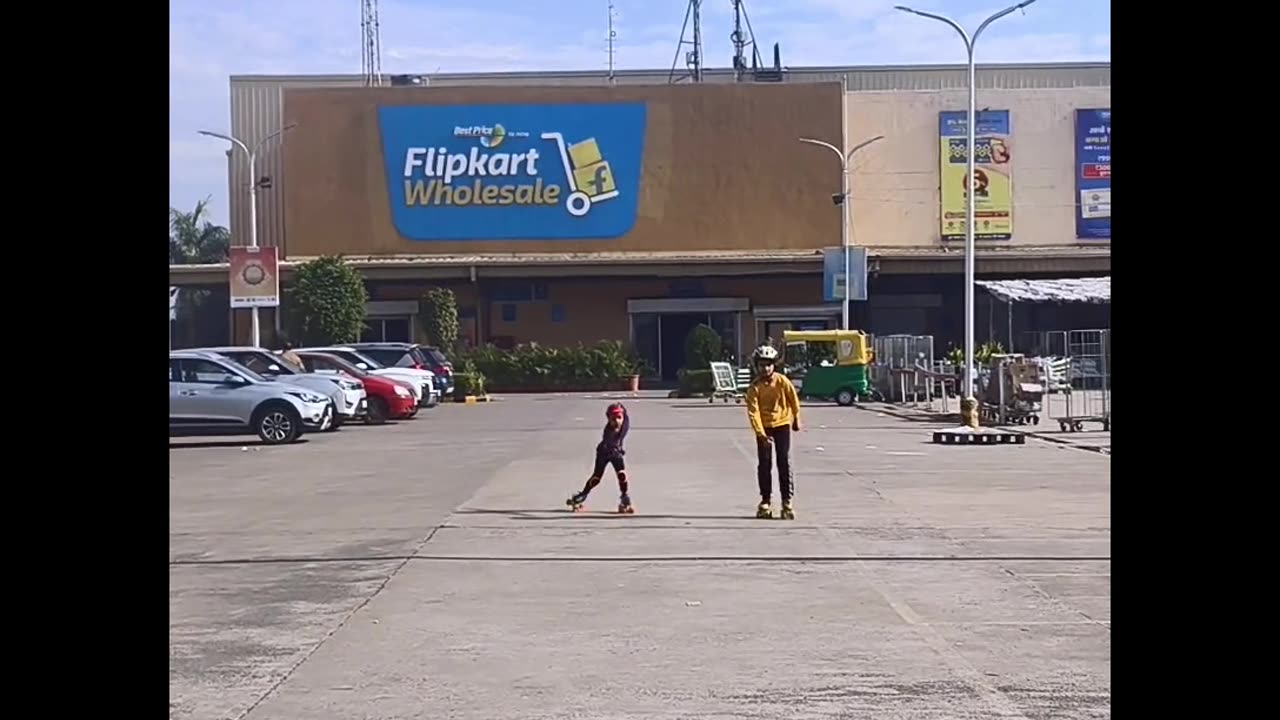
350, 399
423, 381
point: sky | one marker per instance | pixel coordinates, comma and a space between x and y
210, 40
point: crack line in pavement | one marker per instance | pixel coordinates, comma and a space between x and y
651, 559
1035, 587
332, 631
959, 664
402, 559
1029, 584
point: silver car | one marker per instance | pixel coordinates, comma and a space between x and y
348, 395
209, 392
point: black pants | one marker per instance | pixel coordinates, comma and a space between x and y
781, 437
597, 472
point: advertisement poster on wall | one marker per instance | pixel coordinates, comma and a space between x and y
1093, 174
833, 274
508, 172
255, 280
993, 178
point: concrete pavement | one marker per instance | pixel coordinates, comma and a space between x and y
429, 570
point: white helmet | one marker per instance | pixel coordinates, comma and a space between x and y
764, 354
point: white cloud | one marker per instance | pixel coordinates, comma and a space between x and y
210, 41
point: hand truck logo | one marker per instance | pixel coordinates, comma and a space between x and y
587, 173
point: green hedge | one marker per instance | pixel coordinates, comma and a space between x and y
603, 366
469, 381
695, 383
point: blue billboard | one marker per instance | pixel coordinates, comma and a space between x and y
513, 172
833, 282
1093, 173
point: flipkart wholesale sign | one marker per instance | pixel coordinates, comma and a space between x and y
513, 172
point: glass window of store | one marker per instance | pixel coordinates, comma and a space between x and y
659, 338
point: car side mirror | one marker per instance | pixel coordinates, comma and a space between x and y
362, 366
274, 368
234, 380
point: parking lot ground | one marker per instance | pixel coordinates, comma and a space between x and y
429, 569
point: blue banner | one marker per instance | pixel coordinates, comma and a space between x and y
1093, 173
833, 274
513, 172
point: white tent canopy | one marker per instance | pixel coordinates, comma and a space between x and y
1072, 290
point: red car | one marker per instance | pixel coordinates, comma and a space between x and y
387, 398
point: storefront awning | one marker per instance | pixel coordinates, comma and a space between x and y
1071, 290
887, 260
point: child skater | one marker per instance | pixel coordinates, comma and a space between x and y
773, 408
609, 452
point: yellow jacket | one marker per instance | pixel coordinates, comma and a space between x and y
772, 403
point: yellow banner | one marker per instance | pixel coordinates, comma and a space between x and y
993, 180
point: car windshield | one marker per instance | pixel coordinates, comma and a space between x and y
337, 363
384, 356
261, 362
358, 356
434, 356
244, 370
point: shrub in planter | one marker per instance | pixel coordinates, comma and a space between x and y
468, 382
695, 383
702, 346
438, 310
327, 298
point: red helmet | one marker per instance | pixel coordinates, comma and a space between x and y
615, 410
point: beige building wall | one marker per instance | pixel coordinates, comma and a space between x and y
894, 182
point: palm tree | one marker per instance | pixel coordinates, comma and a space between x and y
194, 239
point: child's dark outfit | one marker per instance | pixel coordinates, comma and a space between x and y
609, 451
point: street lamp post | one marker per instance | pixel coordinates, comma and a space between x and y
254, 334
845, 159
969, 253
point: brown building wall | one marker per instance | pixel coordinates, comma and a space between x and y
722, 168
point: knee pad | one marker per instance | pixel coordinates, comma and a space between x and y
622, 474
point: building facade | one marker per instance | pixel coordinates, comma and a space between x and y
560, 208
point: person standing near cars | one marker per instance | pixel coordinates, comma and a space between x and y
288, 355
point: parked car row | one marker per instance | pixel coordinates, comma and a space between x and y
249, 389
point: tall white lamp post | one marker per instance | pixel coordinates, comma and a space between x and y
255, 336
969, 42
845, 159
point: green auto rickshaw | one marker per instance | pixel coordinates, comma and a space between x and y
829, 364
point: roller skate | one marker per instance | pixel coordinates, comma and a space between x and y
788, 512
764, 510
624, 505
575, 502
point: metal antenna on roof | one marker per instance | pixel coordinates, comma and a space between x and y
370, 44
742, 38
613, 34
693, 56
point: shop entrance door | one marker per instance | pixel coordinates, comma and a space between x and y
660, 326
673, 329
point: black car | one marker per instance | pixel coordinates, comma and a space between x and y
412, 355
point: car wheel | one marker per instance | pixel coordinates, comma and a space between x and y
378, 411
845, 397
277, 424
